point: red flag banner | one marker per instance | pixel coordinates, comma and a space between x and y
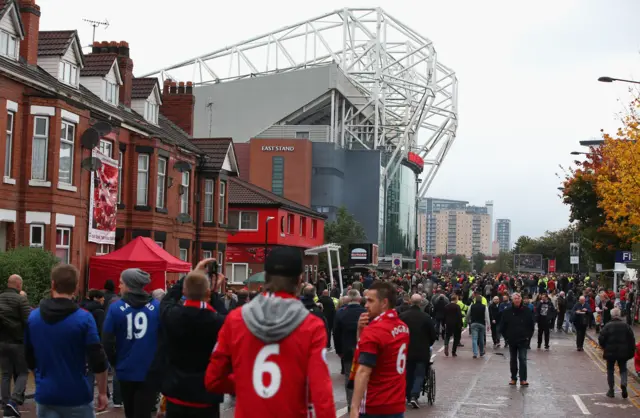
437, 263
552, 266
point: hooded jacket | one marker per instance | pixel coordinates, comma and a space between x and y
59, 339
273, 334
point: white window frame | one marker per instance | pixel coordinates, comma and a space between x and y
44, 138
184, 197
11, 117
70, 143
142, 197
222, 201
233, 272
60, 246
31, 228
207, 254
9, 45
161, 190
111, 92
103, 249
240, 228
72, 80
209, 192
151, 112
220, 257
104, 146
120, 162
185, 252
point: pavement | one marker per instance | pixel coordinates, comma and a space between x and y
563, 383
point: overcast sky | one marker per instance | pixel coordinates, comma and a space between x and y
527, 71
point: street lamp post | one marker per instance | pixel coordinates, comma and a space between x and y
579, 153
612, 79
266, 239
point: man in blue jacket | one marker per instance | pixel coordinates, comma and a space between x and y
130, 335
59, 339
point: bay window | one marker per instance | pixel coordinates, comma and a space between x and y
120, 160
208, 200
39, 148
162, 180
221, 202
8, 145
65, 171
184, 197
8, 45
143, 180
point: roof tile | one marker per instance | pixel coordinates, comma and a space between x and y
54, 43
142, 87
215, 149
97, 65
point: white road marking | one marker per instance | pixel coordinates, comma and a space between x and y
485, 404
581, 405
613, 405
342, 412
441, 349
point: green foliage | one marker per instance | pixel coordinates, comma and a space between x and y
33, 265
460, 263
555, 245
503, 263
343, 231
478, 261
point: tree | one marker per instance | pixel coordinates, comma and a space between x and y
478, 262
460, 263
33, 265
503, 263
343, 231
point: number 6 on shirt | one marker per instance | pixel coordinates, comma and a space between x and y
401, 363
261, 367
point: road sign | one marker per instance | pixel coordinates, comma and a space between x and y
574, 259
396, 260
624, 256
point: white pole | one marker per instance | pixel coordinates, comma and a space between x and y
330, 267
339, 272
615, 282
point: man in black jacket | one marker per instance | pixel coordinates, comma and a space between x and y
188, 333
308, 300
453, 325
345, 334
618, 342
422, 335
14, 313
545, 317
494, 317
517, 328
329, 311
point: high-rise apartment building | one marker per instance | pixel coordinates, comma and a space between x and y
427, 209
503, 234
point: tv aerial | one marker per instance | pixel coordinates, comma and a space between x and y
95, 24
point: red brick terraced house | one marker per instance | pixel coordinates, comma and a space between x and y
50, 94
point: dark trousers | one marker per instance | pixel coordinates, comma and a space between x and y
543, 328
415, 378
14, 367
518, 354
495, 334
456, 333
560, 320
346, 361
622, 365
439, 327
581, 332
138, 399
179, 411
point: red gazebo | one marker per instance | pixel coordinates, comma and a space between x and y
142, 253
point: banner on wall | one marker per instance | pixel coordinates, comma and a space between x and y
437, 264
103, 201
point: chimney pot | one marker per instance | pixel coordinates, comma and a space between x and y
178, 105
181, 87
172, 89
189, 89
165, 88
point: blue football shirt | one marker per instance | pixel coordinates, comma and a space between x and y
136, 332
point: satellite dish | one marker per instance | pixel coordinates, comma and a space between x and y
91, 164
182, 166
103, 128
90, 138
184, 218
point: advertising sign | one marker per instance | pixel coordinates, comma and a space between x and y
437, 264
624, 256
552, 266
416, 159
574, 253
396, 261
361, 254
103, 201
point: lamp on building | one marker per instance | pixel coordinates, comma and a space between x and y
266, 237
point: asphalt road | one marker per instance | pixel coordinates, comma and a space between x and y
563, 383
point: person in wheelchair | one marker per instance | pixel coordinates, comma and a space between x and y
422, 335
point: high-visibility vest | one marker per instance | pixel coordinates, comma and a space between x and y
335, 302
471, 279
463, 308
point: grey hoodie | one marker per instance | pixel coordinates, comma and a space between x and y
271, 318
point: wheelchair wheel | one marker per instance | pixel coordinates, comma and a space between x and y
431, 393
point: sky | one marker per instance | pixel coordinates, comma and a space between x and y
527, 71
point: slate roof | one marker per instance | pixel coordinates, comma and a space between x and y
97, 65
242, 193
216, 151
142, 87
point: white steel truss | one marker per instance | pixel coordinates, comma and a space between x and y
410, 97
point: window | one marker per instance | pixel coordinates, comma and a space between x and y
8, 45
8, 145
143, 179
303, 226
65, 171
220, 258
184, 254
120, 158
106, 148
68, 73
162, 181
63, 244
184, 197
277, 176
244, 221
39, 148
208, 200
103, 249
160, 244
111, 92
302, 135
314, 228
289, 224
207, 254
239, 272
36, 238
222, 202
151, 112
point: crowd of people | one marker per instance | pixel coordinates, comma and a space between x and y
179, 352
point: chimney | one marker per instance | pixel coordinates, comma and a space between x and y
178, 103
126, 70
30, 15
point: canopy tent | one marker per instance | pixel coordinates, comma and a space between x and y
328, 249
142, 253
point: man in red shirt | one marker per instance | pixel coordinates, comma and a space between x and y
381, 357
275, 349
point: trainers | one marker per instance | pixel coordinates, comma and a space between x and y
414, 403
625, 394
610, 393
11, 410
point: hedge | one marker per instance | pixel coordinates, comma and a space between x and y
33, 265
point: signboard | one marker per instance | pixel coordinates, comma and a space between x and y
551, 266
437, 264
396, 261
415, 159
360, 254
574, 253
527, 262
624, 256
277, 148
103, 201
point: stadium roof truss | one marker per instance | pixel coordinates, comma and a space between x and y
410, 97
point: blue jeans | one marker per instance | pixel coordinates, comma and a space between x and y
50, 411
478, 332
415, 377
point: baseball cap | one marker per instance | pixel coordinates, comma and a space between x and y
284, 261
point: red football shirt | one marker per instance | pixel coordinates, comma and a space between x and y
385, 342
279, 380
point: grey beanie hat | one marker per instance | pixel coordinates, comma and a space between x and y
135, 278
